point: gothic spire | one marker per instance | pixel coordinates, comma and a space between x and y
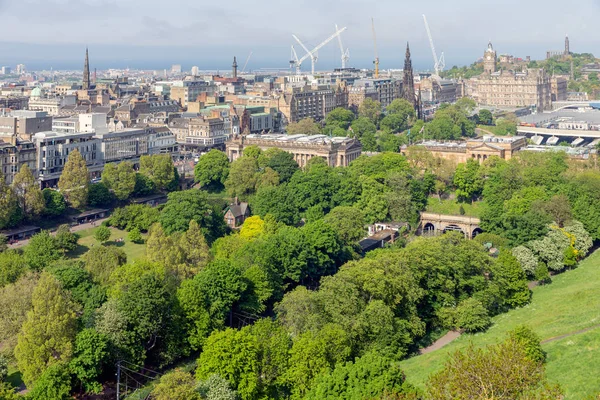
86, 71
408, 83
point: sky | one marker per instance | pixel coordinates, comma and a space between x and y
153, 34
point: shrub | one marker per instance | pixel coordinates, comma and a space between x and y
102, 234
135, 236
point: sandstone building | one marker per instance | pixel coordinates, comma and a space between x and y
337, 151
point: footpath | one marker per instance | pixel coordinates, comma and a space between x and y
75, 228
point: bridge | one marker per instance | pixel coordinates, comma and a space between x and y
434, 224
561, 105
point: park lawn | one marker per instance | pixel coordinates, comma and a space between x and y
86, 241
493, 129
452, 207
570, 304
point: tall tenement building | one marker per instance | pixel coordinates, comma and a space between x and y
511, 88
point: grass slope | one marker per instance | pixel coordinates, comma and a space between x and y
452, 207
570, 304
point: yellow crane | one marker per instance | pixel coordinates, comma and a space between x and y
376, 62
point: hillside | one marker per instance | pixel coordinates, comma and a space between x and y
557, 313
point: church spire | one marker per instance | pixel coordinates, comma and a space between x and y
86, 71
408, 83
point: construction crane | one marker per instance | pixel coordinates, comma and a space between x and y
246, 63
438, 63
345, 53
294, 61
313, 54
376, 62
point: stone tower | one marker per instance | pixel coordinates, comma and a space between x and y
408, 83
567, 47
489, 59
234, 67
86, 71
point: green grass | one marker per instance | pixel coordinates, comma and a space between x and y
452, 207
86, 241
14, 377
492, 128
571, 303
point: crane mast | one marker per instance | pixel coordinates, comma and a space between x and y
376, 62
345, 53
438, 64
246, 63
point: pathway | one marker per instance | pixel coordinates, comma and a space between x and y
570, 334
441, 342
75, 228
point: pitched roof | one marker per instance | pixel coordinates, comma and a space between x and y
238, 210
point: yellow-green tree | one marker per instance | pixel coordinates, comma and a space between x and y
28, 193
252, 228
195, 247
9, 207
120, 178
159, 168
74, 181
47, 335
176, 385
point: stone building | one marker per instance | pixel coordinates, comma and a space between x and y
337, 151
437, 90
307, 102
24, 123
15, 152
383, 90
477, 149
559, 88
511, 89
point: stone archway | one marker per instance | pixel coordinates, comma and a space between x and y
429, 229
476, 232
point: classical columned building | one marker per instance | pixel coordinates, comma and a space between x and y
337, 151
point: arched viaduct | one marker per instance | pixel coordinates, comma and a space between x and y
434, 224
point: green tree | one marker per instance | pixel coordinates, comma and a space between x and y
253, 227
212, 169
144, 186
339, 117
559, 209
209, 297
196, 249
269, 178
99, 195
135, 236
140, 216
368, 377
284, 164
182, 207
370, 109
233, 355
314, 354
12, 267
74, 180
348, 222
470, 315
242, 178
278, 201
467, 180
41, 251
159, 169
362, 126
394, 123
504, 369
102, 234
15, 300
369, 142
526, 259
47, 335
65, 239
162, 249
100, 262
54, 202
89, 355
176, 385
10, 214
53, 384
402, 107
121, 179
28, 193
485, 117
306, 126
216, 388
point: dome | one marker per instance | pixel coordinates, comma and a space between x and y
36, 92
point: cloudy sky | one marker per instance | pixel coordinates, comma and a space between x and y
158, 33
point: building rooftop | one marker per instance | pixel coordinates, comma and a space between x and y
300, 138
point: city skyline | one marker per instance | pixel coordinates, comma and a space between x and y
134, 34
